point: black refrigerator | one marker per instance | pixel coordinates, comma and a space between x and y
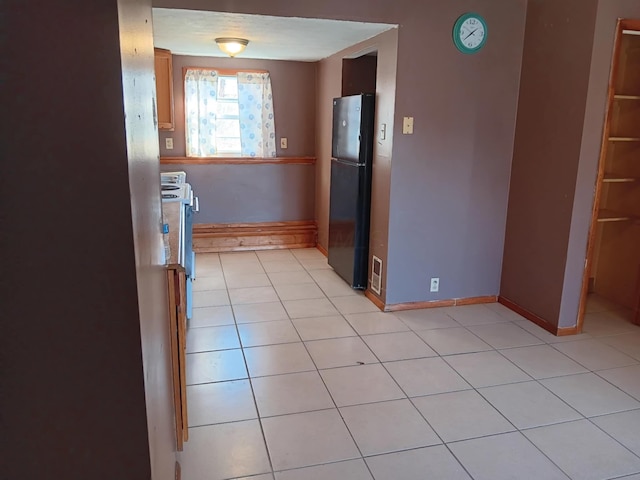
350, 200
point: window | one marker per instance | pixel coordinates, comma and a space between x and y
229, 114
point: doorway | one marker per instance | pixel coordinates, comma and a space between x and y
359, 74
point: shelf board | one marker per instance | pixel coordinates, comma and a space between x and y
624, 139
611, 216
627, 97
613, 178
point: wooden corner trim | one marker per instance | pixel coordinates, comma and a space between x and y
453, 302
375, 300
541, 322
563, 331
237, 161
323, 250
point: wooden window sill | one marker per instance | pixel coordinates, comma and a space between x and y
237, 161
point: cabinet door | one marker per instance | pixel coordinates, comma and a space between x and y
164, 89
177, 328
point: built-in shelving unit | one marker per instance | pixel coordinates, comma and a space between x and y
614, 244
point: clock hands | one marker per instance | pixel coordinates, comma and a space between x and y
470, 34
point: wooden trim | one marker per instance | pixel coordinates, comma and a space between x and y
182, 339
541, 322
229, 237
323, 250
453, 302
175, 364
564, 331
397, 307
237, 160
374, 299
476, 300
200, 228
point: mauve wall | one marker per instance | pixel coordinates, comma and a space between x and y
255, 193
608, 13
449, 181
251, 193
548, 140
294, 100
79, 397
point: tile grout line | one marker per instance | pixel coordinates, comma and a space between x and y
329, 392
544, 342
246, 366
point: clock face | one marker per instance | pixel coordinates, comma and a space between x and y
470, 33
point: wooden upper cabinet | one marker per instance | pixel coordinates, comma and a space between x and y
164, 89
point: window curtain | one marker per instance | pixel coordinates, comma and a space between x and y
200, 112
257, 126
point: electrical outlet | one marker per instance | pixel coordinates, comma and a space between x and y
435, 284
283, 143
407, 126
168, 143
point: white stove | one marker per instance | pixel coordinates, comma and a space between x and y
173, 177
179, 204
177, 192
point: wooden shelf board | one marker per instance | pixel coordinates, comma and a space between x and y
627, 97
624, 139
613, 178
611, 216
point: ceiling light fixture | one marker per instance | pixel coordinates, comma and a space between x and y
232, 46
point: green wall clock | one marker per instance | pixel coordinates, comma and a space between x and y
470, 33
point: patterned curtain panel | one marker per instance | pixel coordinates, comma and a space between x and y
200, 112
257, 125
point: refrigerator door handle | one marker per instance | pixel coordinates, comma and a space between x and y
345, 162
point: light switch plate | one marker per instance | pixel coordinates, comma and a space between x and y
283, 143
407, 126
168, 143
383, 131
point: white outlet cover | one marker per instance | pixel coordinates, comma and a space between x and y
435, 285
407, 126
283, 142
168, 142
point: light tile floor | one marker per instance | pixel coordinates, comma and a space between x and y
292, 375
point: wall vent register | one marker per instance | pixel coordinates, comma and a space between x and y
376, 274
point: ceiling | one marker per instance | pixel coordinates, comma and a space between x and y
191, 32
